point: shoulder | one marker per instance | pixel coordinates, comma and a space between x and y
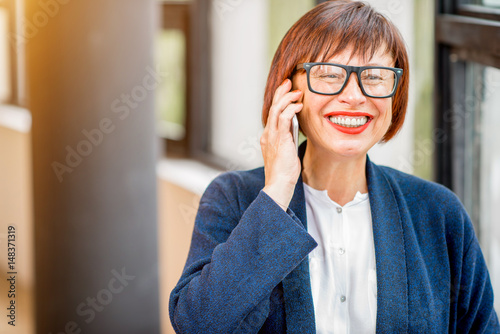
235, 188
431, 206
236, 181
414, 188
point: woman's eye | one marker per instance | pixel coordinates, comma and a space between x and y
330, 76
373, 77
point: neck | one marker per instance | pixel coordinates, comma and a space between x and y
342, 177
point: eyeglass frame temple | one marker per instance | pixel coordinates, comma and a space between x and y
350, 69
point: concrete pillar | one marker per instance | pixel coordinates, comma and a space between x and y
91, 81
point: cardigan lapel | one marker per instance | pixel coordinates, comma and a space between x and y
390, 257
299, 305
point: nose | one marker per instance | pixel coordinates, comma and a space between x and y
352, 93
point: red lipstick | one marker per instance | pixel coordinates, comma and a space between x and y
351, 131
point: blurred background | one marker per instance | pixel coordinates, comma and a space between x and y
116, 114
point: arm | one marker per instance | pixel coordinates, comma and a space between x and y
475, 294
471, 291
235, 262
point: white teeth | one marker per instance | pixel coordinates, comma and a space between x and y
349, 122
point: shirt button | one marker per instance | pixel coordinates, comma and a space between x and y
342, 299
339, 210
341, 251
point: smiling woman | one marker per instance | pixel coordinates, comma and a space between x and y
327, 241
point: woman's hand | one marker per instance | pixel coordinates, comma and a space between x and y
281, 162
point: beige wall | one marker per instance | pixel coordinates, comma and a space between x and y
16, 210
177, 210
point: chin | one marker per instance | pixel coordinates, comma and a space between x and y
354, 153
348, 149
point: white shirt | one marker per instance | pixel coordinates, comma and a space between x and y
342, 267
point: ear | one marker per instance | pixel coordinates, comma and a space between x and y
299, 82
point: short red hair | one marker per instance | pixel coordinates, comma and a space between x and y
330, 28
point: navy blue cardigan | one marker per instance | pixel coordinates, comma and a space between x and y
247, 270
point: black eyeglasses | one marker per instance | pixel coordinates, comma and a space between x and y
331, 79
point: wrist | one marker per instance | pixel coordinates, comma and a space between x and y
281, 196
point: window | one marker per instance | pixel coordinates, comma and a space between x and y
172, 49
467, 115
209, 107
488, 3
245, 36
8, 53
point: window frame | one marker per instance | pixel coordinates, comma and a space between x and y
196, 144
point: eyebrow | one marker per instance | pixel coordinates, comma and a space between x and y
369, 64
377, 64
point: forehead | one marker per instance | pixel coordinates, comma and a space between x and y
359, 57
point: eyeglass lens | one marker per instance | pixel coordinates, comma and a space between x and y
329, 79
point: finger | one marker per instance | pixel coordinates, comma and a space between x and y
274, 110
282, 89
280, 105
284, 102
285, 119
281, 131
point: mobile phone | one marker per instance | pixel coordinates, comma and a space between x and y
295, 132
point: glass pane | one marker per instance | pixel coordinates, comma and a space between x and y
491, 3
171, 94
488, 3
282, 15
482, 101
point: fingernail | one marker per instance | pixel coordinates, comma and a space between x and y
296, 91
284, 82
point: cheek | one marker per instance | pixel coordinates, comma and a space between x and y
384, 121
387, 119
312, 107
388, 114
385, 110
308, 115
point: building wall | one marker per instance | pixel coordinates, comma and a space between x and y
16, 211
177, 208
